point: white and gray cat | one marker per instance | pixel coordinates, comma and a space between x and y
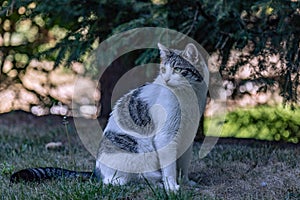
150, 130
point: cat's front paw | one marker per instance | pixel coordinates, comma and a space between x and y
170, 184
191, 183
114, 181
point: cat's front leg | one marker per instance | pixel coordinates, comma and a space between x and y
169, 177
183, 164
167, 163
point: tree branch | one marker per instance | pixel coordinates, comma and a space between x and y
203, 13
193, 23
8, 9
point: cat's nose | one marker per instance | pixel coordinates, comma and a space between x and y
167, 80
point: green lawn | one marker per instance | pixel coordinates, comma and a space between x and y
233, 170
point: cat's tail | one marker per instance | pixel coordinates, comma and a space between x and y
44, 173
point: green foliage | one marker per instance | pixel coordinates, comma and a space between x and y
67, 30
264, 123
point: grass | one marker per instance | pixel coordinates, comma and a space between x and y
233, 170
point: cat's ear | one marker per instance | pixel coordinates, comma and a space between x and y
164, 51
191, 53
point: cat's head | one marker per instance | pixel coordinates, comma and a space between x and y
178, 67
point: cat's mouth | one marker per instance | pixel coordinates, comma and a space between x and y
171, 83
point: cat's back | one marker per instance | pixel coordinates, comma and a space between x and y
140, 109
141, 99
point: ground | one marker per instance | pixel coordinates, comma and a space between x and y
234, 169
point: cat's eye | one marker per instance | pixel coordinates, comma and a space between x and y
177, 70
163, 70
184, 72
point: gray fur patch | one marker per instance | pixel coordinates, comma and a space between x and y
133, 113
123, 141
138, 109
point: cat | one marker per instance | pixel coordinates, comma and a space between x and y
150, 130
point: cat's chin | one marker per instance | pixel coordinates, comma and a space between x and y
175, 84
170, 84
